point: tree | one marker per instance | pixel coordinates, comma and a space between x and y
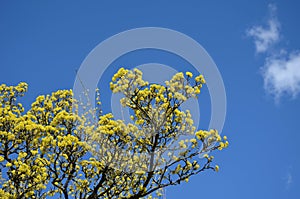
52, 150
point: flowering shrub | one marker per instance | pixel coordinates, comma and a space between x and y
51, 150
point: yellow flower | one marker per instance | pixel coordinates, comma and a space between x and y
193, 140
182, 144
217, 168
189, 74
8, 164
139, 172
34, 152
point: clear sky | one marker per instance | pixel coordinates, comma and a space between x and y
255, 46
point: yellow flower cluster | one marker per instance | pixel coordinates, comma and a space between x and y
51, 151
156, 109
127, 81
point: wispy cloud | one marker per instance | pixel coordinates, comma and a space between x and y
281, 71
265, 36
282, 75
288, 178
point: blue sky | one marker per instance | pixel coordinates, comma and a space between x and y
255, 46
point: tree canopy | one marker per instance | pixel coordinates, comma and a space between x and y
51, 150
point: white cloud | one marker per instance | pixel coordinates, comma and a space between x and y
265, 37
281, 71
282, 74
288, 178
